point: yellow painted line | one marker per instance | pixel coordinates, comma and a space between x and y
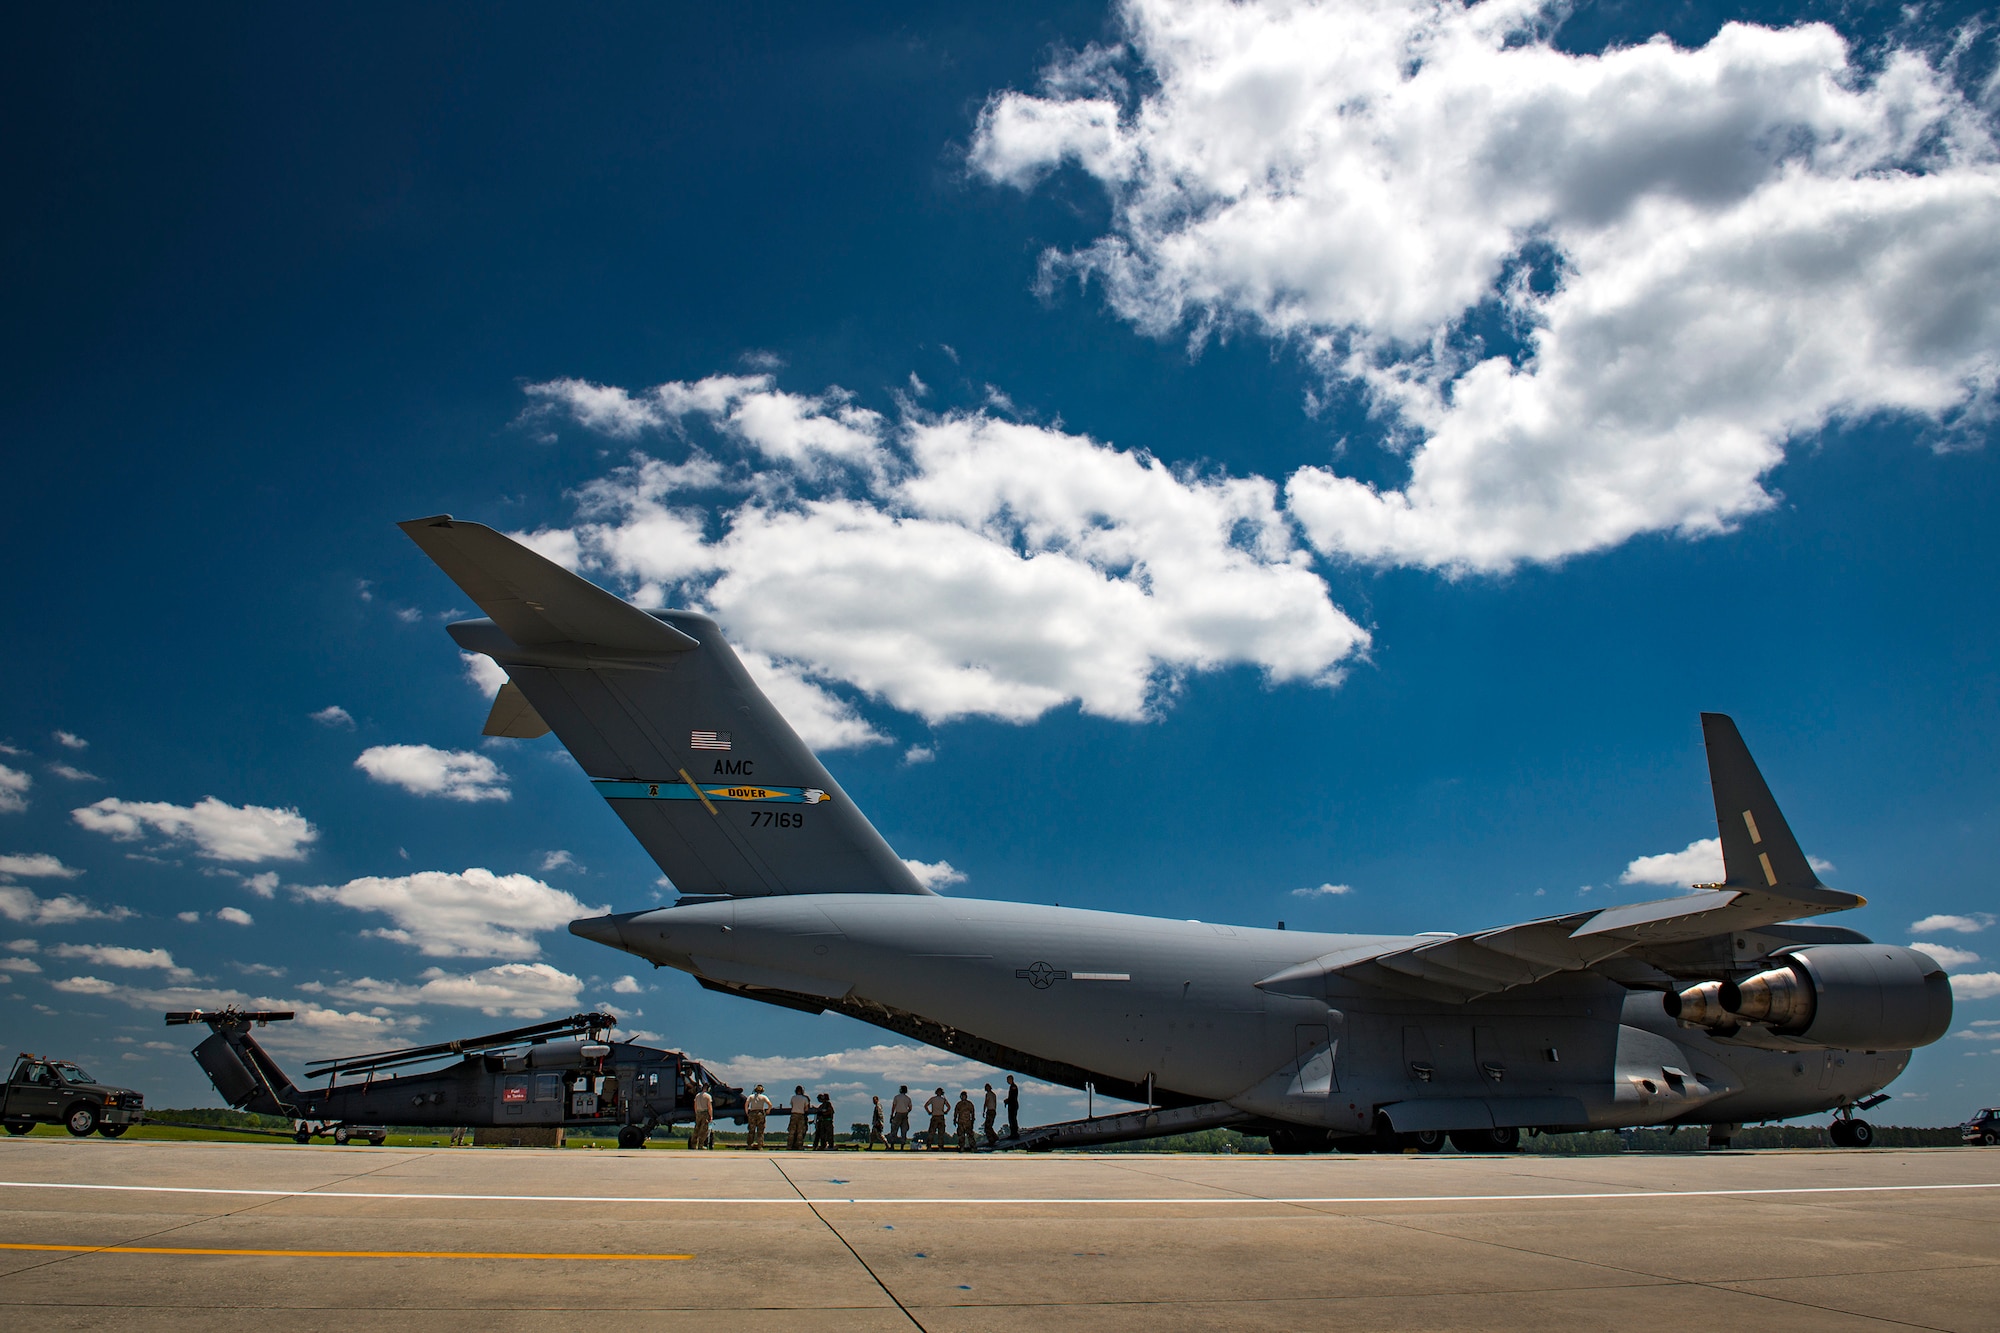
335, 1254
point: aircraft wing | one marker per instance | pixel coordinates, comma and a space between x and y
1767, 879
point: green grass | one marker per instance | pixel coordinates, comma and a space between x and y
221, 1126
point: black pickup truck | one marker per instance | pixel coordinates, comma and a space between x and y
56, 1092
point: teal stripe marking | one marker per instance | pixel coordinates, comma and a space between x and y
752, 792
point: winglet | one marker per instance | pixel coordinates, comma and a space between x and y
1759, 853
536, 602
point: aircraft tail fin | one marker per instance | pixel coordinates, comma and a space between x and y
242, 1070
660, 712
1759, 853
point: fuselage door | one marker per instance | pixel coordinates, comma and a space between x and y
1316, 1050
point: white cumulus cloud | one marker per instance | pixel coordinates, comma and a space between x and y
69, 740
36, 865
112, 955
1946, 955
1970, 924
235, 916
1700, 862
457, 775
1975, 985
14, 786
471, 914
1324, 891
519, 990
1702, 254
935, 874
216, 829
952, 565
486, 675
71, 773
18, 904
333, 715
627, 985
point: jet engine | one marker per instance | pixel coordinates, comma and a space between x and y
1873, 997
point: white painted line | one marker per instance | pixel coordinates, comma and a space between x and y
1227, 1200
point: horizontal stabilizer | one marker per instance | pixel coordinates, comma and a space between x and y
514, 716
535, 601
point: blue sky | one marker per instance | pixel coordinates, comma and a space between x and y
1283, 446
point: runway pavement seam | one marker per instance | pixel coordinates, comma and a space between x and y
866, 1267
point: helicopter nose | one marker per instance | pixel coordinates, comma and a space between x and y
599, 929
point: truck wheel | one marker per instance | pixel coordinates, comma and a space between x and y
112, 1131
377, 1140
303, 1136
82, 1120
1988, 1139
28, 1127
340, 1137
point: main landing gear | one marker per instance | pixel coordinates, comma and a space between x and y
1849, 1130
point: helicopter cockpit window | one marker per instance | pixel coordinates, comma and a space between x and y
548, 1087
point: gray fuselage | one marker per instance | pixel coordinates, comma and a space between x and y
1174, 1005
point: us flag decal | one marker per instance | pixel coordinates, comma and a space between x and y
708, 740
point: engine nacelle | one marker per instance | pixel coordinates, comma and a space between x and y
1874, 997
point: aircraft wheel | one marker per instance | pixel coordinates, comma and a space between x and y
1841, 1133
1425, 1140
1486, 1140
112, 1131
631, 1136
82, 1121
1860, 1134
28, 1127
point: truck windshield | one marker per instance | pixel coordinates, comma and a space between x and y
70, 1073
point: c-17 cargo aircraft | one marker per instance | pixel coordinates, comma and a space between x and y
1717, 1007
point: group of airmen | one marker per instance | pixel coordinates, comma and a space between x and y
951, 1122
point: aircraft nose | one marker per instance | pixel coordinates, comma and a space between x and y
600, 929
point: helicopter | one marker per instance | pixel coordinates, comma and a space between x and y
566, 1073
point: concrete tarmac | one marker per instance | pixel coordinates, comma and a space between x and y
102, 1235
